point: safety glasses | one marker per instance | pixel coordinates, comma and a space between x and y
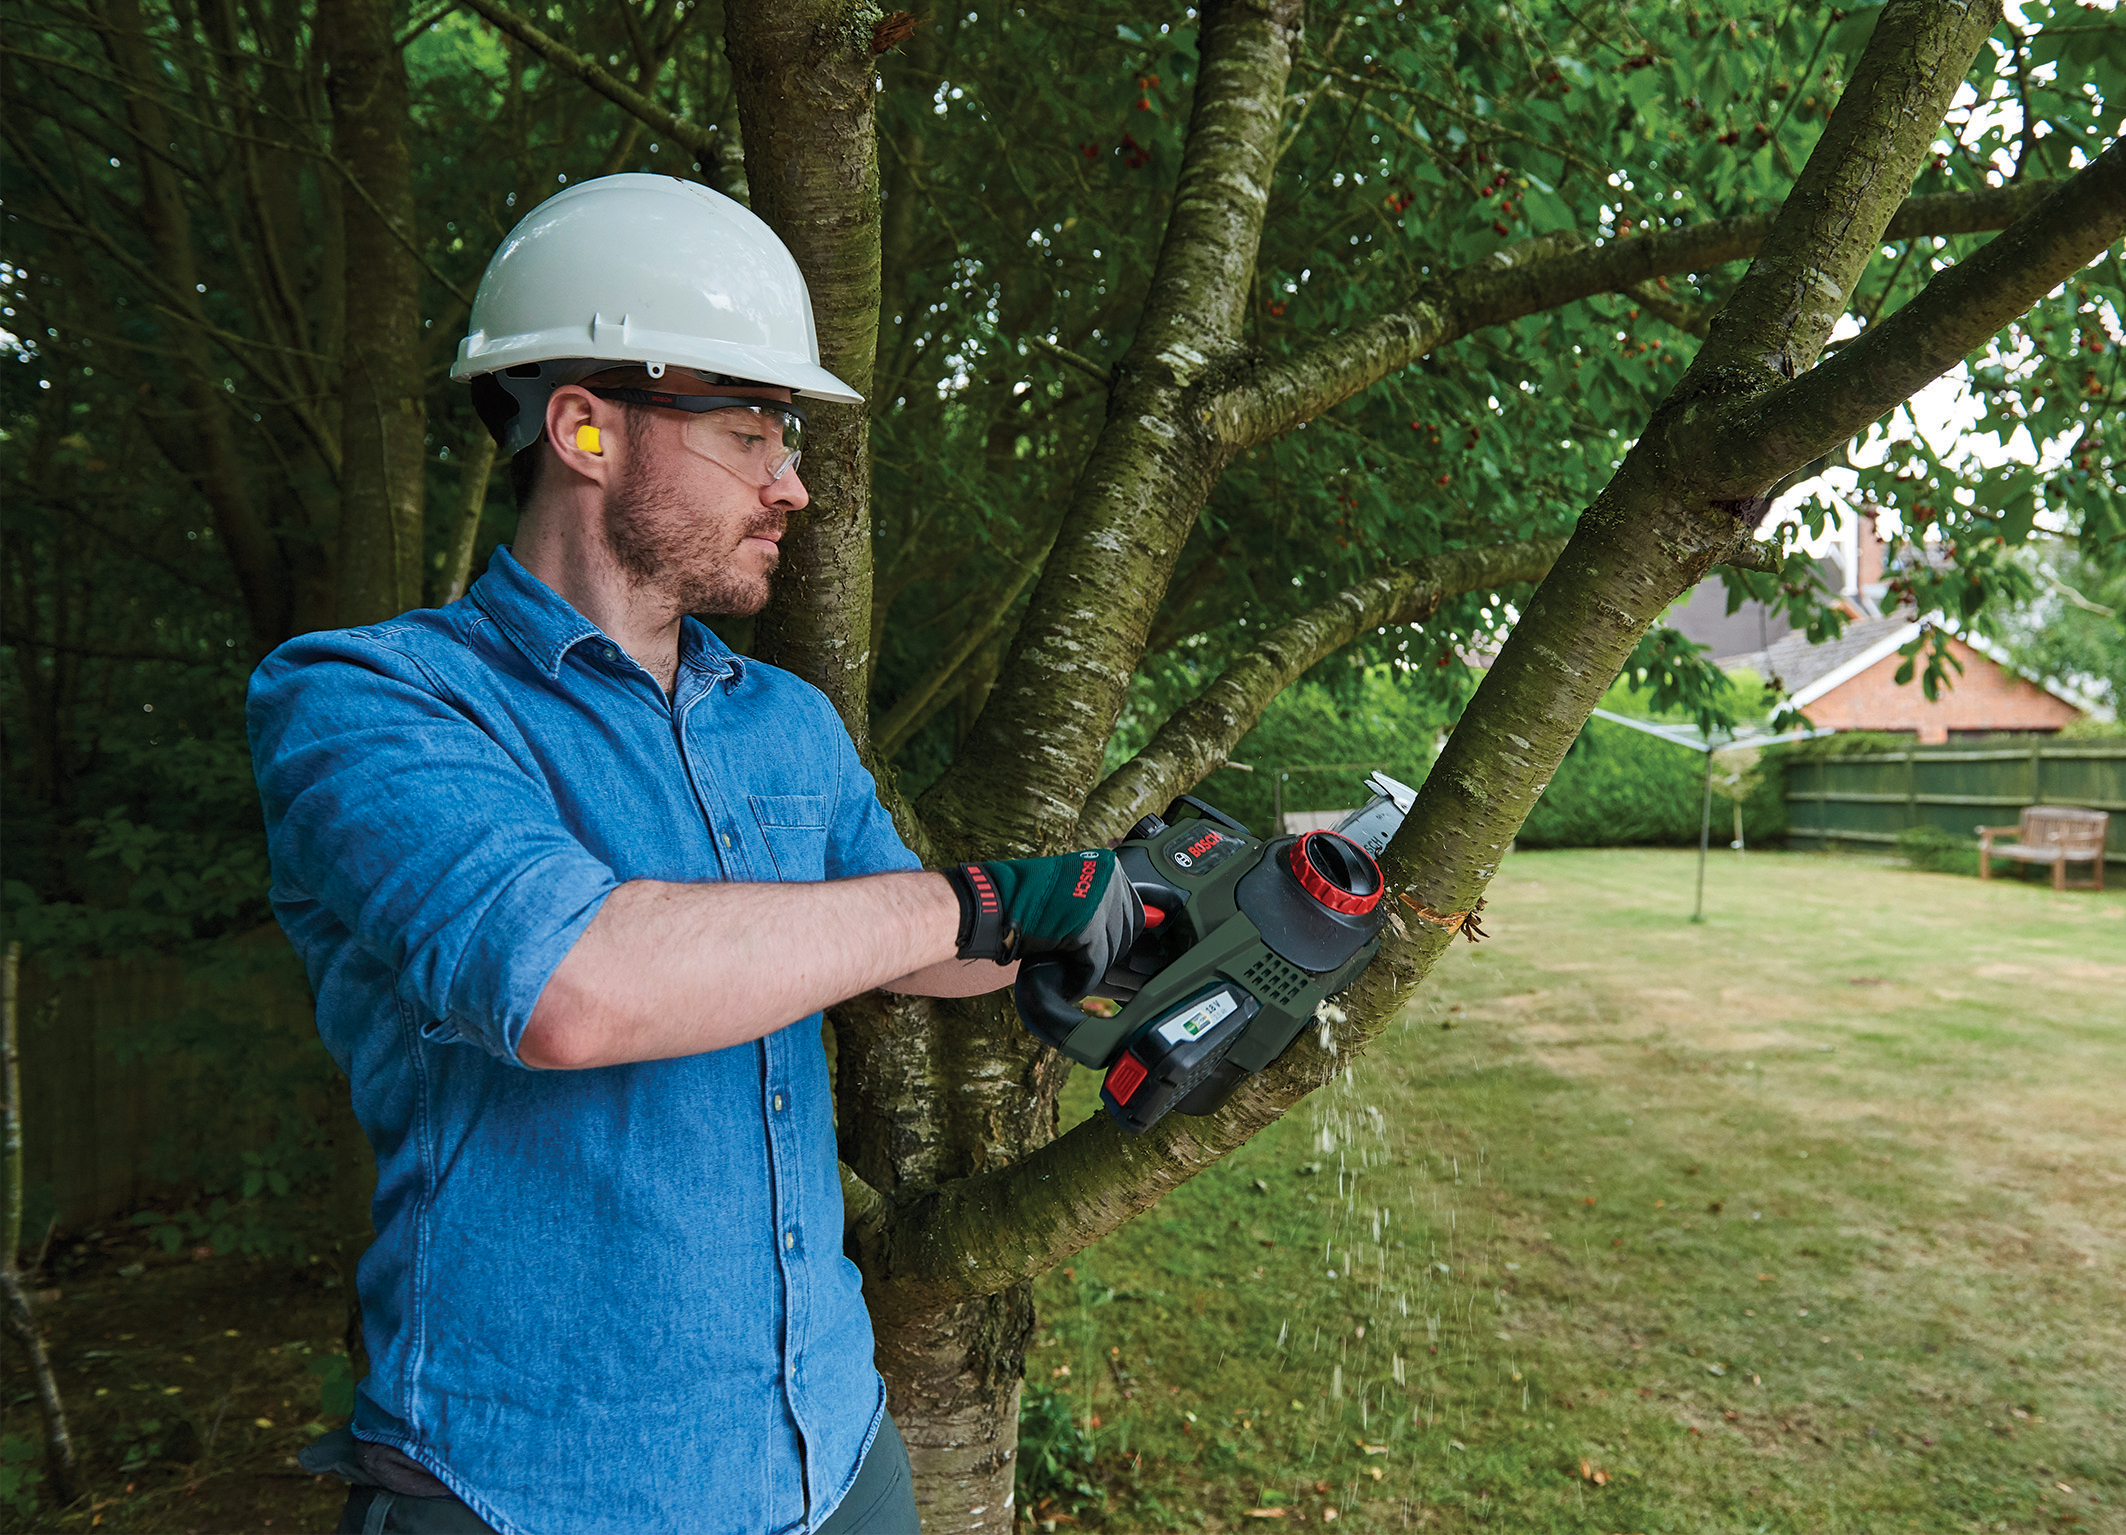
760, 441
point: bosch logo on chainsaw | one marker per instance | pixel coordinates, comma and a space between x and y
1199, 855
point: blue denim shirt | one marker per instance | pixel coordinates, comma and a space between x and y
611, 1299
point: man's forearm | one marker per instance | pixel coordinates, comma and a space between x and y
954, 978
670, 969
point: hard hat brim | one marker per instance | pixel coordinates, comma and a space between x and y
480, 353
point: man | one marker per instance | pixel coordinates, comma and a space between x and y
573, 881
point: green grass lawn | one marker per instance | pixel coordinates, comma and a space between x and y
1808, 1218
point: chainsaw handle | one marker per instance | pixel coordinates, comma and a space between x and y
1046, 1007
1048, 1012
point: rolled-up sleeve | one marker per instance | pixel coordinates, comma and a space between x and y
390, 807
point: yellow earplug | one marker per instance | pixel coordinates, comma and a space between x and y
587, 439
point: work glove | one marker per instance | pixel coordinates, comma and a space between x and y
1076, 909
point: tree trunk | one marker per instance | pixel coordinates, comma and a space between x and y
199, 444
384, 410
912, 1119
803, 77
952, 1384
1018, 785
58, 1442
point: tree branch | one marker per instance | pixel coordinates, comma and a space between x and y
476, 470
981, 1234
58, 1443
1199, 736
1150, 471
1691, 319
1833, 222
1206, 266
913, 709
421, 24
1528, 277
176, 303
107, 653
1084, 365
1756, 554
399, 234
208, 451
377, 555
1656, 529
803, 77
699, 141
1950, 317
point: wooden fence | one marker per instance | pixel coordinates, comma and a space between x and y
117, 1111
1866, 799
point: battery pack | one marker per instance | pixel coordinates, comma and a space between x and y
1175, 1052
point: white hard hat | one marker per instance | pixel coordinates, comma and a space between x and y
638, 269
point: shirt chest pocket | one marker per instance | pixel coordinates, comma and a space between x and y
795, 828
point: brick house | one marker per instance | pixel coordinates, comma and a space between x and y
1850, 683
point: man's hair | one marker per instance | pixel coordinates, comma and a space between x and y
524, 473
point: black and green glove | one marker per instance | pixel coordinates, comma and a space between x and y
1077, 909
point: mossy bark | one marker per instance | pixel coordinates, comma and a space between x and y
804, 78
1020, 780
1197, 737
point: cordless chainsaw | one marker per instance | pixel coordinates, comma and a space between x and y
1243, 939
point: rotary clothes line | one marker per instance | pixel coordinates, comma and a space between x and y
1693, 738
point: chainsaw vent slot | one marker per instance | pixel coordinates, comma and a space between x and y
1275, 981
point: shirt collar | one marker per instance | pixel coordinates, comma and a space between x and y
540, 622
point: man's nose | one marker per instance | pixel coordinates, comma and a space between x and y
788, 493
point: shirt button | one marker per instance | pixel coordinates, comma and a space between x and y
789, 1240
778, 1103
611, 654
726, 839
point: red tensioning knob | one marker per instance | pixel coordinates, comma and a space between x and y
1315, 883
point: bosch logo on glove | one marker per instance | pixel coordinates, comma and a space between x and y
1085, 875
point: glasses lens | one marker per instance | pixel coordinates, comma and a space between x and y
758, 443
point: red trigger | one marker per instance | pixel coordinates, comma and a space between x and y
1153, 916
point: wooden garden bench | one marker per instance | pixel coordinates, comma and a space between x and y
2053, 834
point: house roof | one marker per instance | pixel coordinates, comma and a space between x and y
1702, 616
1800, 665
1810, 671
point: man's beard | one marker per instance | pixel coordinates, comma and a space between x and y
665, 543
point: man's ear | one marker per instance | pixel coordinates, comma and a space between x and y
580, 430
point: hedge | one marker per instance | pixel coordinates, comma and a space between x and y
1621, 787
